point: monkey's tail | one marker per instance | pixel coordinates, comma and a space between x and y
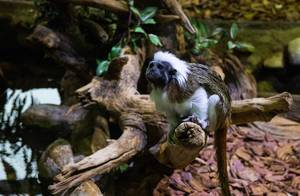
220, 146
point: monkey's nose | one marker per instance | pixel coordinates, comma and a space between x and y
151, 76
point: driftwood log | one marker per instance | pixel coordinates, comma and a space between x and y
117, 92
58, 154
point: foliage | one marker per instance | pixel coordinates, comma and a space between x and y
205, 39
136, 34
232, 43
102, 65
142, 18
122, 168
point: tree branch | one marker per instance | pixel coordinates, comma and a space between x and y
61, 50
260, 109
111, 5
130, 143
113, 93
176, 8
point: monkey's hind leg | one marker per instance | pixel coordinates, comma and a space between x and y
173, 123
213, 103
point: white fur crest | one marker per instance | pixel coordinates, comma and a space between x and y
180, 65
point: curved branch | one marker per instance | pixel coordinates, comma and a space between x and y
176, 8
111, 5
113, 93
60, 49
260, 109
130, 143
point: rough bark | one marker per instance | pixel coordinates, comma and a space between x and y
176, 8
260, 109
111, 5
60, 49
113, 93
58, 154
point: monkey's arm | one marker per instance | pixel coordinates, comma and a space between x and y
206, 111
199, 108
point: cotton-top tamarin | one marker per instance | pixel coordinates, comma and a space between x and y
192, 92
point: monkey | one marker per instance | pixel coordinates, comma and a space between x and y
192, 92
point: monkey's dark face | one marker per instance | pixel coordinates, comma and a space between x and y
160, 73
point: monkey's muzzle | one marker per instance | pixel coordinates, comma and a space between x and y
155, 77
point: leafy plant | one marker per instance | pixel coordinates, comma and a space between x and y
219, 37
123, 168
232, 43
102, 65
203, 39
137, 32
136, 35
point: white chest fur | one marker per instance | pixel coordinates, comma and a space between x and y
198, 101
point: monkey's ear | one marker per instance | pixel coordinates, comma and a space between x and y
173, 72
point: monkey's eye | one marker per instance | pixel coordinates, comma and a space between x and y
151, 64
173, 72
159, 66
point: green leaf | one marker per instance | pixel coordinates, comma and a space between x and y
243, 46
148, 13
150, 21
134, 44
234, 30
218, 31
154, 39
135, 11
230, 45
139, 29
102, 67
123, 167
210, 42
201, 29
114, 52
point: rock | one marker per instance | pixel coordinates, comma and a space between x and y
294, 52
274, 61
58, 154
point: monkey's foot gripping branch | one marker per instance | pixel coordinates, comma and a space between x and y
189, 138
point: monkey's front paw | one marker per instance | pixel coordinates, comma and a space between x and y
203, 124
192, 118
